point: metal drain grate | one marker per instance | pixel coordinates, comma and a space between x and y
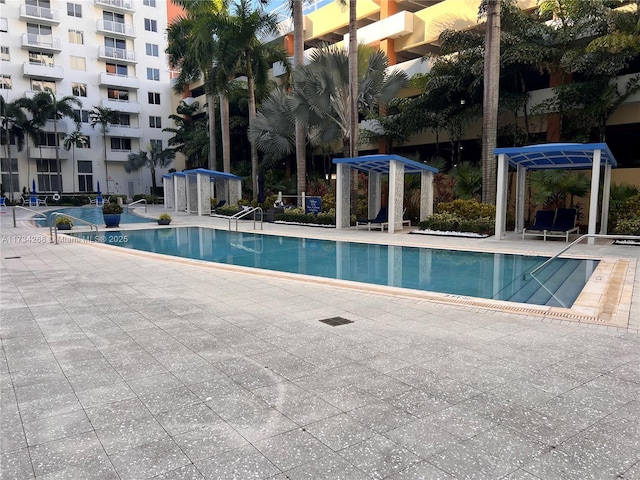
336, 321
11, 258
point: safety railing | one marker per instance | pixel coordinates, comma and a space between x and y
575, 242
53, 226
243, 213
142, 200
37, 214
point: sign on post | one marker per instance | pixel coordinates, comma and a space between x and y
312, 204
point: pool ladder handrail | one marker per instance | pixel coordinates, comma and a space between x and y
39, 214
576, 241
138, 201
53, 227
243, 213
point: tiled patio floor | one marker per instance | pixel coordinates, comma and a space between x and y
119, 366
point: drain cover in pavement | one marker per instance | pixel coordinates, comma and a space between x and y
336, 321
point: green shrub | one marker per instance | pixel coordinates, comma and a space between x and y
297, 215
467, 209
228, 210
462, 216
112, 208
628, 221
64, 221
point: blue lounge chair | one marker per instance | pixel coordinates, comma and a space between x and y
542, 223
381, 219
563, 224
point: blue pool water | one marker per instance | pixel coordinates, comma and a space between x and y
483, 275
94, 215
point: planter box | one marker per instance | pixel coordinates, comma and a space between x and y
111, 219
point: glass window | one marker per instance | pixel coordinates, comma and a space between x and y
76, 36
153, 74
156, 143
85, 176
118, 95
121, 144
149, 3
4, 54
5, 82
43, 86
14, 175
150, 25
152, 49
154, 98
84, 115
74, 10
78, 63
84, 142
78, 89
116, 69
47, 175
155, 122
124, 119
39, 58
4, 25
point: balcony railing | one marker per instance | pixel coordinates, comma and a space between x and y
117, 54
41, 42
115, 80
116, 28
116, 4
43, 70
121, 105
44, 15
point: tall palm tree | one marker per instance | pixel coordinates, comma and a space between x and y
36, 107
300, 132
12, 117
103, 116
156, 157
72, 140
191, 48
56, 109
241, 51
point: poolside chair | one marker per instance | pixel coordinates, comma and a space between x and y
381, 219
542, 223
3, 204
564, 224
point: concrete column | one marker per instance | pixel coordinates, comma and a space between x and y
396, 195
426, 194
235, 191
343, 195
521, 181
606, 195
501, 196
375, 193
593, 200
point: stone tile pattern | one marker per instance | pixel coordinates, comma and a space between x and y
121, 366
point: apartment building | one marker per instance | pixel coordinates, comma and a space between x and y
105, 53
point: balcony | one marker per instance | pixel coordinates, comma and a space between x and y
121, 106
62, 126
116, 29
119, 81
120, 54
124, 131
41, 43
49, 72
122, 6
44, 16
48, 153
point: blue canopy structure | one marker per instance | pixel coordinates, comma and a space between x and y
377, 165
592, 156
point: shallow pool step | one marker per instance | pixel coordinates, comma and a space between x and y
558, 278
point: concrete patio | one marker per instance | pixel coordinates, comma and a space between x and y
125, 366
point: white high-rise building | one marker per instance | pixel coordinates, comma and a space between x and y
105, 53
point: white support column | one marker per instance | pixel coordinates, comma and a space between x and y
343, 196
501, 196
396, 195
375, 194
426, 194
199, 190
593, 200
606, 196
521, 183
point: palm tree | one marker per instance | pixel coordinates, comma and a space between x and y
70, 142
103, 116
156, 157
191, 48
190, 136
12, 117
56, 109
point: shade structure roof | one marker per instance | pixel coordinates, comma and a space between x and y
212, 174
557, 155
174, 174
380, 163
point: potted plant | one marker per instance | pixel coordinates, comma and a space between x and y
64, 223
164, 219
111, 214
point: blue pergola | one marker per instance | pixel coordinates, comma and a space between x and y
191, 190
375, 166
592, 156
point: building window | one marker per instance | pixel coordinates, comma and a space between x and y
117, 69
43, 86
74, 10
78, 89
4, 25
14, 175
4, 54
124, 120
76, 36
85, 176
156, 143
149, 3
154, 98
153, 74
39, 58
42, 30
85, 140
150, 25
5, 82
121, 144
118, 95
47, 175
83, 115
78, 63
47, 140
152, 50
155, 122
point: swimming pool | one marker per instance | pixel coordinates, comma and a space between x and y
93, 215
474, 274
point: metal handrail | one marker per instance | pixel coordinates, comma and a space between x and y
40, 214
576, 241
244, 213
53, 227
138, 201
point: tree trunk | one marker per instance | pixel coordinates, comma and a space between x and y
211, 111
226, 135
55, 132
298, 59
10, 165
252, 116
106, 168
353, 99
490, 101
153, 179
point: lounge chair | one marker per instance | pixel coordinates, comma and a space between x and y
564, 224
3, 204
542, 223
221, 203
381, 219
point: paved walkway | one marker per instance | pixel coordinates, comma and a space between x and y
123, 366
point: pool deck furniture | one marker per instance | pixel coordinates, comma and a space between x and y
35, 201
3, 204
380, 221
542, 223
553, 224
